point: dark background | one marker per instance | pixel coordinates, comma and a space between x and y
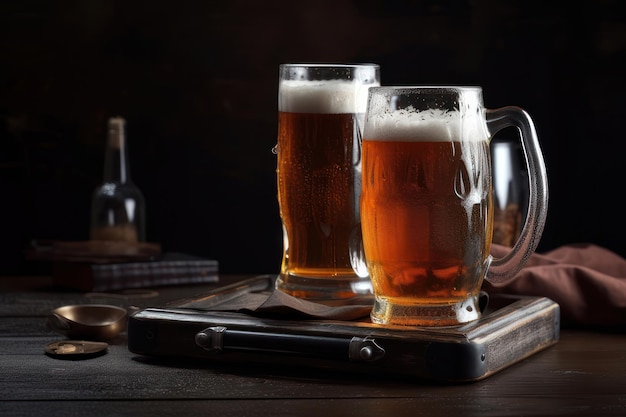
197, 83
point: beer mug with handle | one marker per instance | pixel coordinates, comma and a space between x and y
427, 202
321, 108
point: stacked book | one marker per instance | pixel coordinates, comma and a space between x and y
108, 266
171, 269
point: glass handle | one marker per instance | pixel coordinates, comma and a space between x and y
502, 269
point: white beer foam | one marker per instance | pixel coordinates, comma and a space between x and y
322, 97
433, 125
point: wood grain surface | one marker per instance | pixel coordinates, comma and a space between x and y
584, 374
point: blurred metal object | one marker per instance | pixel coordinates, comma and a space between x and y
89, 321
510, 191
70, 349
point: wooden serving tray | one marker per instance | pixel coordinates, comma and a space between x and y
512, 329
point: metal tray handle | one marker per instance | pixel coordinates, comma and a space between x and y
217, 339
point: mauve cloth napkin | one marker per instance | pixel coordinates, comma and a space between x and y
587, 281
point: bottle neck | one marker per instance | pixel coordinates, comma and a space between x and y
116, 164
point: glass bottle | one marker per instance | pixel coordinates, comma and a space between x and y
117, 206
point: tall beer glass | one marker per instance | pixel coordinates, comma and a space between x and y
321, 109
427, 202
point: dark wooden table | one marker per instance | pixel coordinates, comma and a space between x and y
584, 374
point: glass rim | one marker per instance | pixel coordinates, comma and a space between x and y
410, 88
328, 65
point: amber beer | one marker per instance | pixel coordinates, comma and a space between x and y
426, 208
316, 192
318, 172
426, 212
